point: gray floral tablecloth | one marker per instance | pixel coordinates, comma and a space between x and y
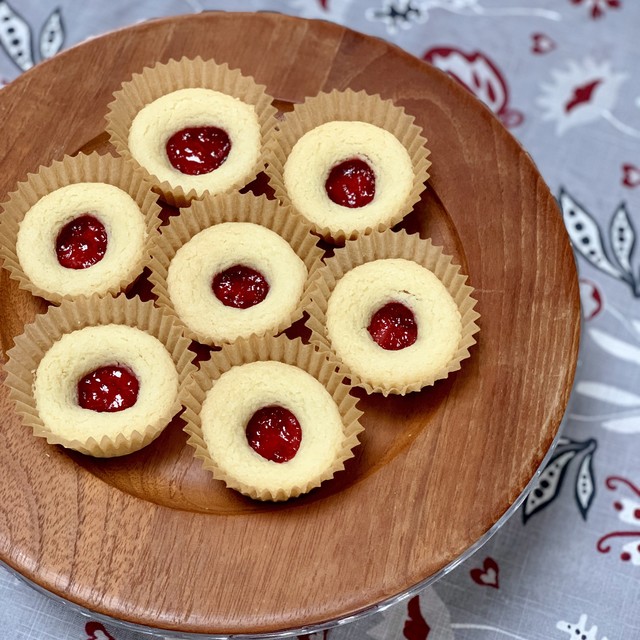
564, 77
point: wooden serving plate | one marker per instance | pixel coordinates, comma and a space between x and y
151, 538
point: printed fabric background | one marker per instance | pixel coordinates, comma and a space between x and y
563, 76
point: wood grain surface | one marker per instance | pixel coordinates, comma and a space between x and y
151, 538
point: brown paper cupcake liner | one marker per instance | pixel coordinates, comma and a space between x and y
348, 105
161, 79
232, 207
71, 170
48, 328
385, 245
280, 349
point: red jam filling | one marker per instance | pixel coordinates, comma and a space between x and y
111, 388
351, 183
198, 150
275, 433
393, 326
81, 243
240, 287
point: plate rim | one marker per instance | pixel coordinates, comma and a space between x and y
521, 495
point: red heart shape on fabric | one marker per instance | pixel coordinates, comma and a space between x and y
631, 175
96, 631
488, 575
542, 43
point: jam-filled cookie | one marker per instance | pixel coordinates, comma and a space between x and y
393, 312
233, 266
348, 176
197, 139
392, 322
194, 126
78, 227
349, 162
234, 280
99, 375
271, 418
108, 380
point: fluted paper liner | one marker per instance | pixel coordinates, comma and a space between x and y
280, 349
233, 207
72, 170
48, 328
154, 82
385, 245
351, 106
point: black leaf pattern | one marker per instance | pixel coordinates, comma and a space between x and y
398, 14
549, 484
566, 444
623, 237
15, 37
553, 475
52, 35
587, 239
585, 485
585, 235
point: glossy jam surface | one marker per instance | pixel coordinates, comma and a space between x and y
351, 183
81, 243
108, 389
275, 433
393, 326
240, 287
198, 150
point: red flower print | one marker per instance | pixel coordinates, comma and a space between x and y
582, 95
415, 627
478, 73
542, 43
583, 92
628, 510
96, 631
598, 7
591, 299
630, 175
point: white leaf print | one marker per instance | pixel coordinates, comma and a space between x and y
52, 35
15, 36
585, 485
627, 513
618, 348
622, 237
585, 235
633, 549
623, 425
608, 393
577, 629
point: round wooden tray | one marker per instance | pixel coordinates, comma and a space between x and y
151, 538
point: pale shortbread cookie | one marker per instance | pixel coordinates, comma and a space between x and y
114, 208
367, 288
78, 353
239, 393
225, 245
160, 119
318, 151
